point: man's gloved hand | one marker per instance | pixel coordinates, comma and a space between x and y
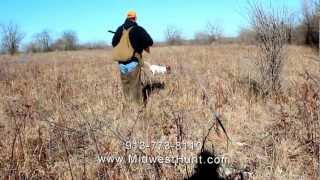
141, 62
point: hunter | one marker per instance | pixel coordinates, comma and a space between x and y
129, 41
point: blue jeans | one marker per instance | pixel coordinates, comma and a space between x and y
127, 68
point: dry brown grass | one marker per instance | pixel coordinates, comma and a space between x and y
60, 110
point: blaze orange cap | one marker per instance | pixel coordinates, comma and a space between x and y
131, 14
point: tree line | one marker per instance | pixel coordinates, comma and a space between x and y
12, 36
304, 31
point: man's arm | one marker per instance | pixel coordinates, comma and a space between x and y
145, 38
117, 36
140, 39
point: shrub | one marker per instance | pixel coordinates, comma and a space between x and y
271, 35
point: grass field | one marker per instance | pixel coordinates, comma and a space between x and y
60, 111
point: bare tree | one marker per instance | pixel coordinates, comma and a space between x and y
71, 40
11, 38
214, 31
68, 41
43, 41
289, 25
271, 35
173, 36
310, 22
